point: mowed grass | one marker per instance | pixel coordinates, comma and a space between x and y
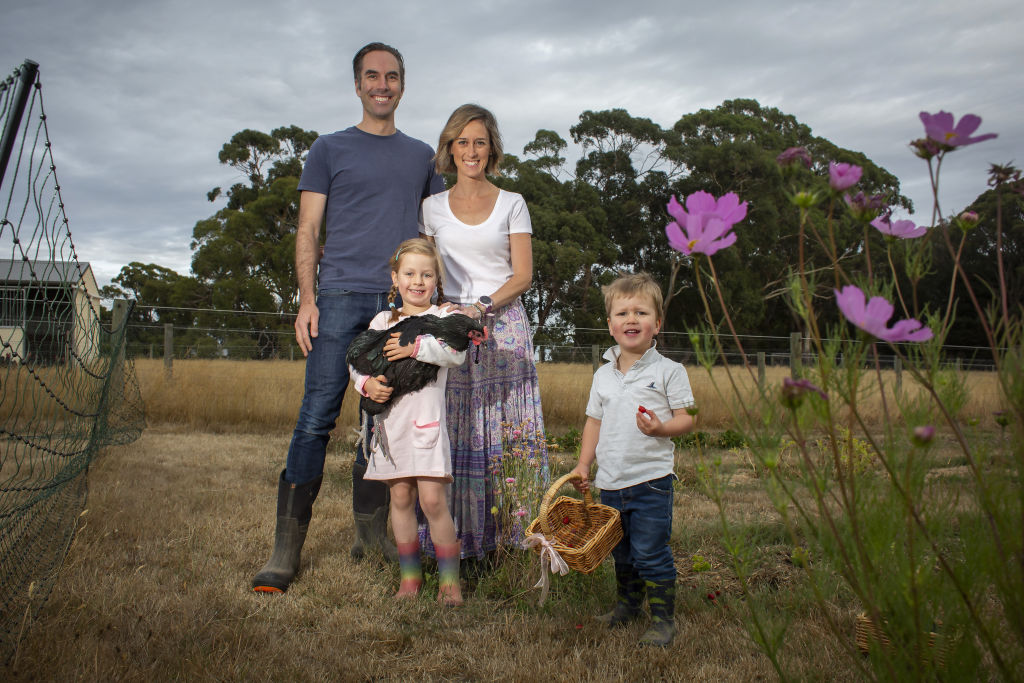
156, 587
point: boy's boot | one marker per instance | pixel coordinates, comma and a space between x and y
661, 598
628, 604
370, 504
412, 570
449, 592
294, 510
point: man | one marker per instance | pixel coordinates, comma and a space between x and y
368, 181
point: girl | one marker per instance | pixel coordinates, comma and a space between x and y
417, 460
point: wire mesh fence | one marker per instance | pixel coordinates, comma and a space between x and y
67, 390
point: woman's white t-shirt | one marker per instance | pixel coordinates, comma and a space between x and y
477, 258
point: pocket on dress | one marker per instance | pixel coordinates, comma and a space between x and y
424, 436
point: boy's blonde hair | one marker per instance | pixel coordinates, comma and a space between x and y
633, 284
423, 247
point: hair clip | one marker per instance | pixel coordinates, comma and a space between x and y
391, 305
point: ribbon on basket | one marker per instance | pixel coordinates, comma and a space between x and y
550, 562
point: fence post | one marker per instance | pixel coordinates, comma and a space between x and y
760, 370
168, 349
795, 359
26, 77
595, 356
119, 334
897, 366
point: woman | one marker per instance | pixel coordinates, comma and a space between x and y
483, 235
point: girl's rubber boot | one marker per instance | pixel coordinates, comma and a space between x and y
449, 592
629, 603
661, 598
412, 570
294, 510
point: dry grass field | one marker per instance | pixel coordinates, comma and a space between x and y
155, 587
156, 583
264, 396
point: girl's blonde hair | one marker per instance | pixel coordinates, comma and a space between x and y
423, 247
459, 119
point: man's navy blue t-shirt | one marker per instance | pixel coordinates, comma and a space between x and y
374, 185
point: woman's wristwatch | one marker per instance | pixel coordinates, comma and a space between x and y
484, 304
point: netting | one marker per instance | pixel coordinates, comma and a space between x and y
67, 390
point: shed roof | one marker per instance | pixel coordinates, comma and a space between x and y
43, 272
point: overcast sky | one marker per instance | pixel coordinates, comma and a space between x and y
140, 96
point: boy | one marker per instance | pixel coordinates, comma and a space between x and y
637, 402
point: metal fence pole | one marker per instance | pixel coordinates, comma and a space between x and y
897, 367
595, 356
760, 370
28, 76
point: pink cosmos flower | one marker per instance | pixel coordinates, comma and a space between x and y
843, 176
903, 229
873, 316
939, 127
793, 155
793, 391
704, 226
510, 480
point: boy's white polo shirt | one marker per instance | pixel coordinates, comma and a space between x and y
625, 455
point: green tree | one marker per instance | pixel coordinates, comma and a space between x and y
979, 261
162, 296
245, 252
733, 148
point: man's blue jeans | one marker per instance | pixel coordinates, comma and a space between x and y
343, 315
646, 513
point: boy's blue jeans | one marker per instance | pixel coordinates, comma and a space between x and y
343, 315
646, 513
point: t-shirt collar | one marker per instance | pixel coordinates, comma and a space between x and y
612, 354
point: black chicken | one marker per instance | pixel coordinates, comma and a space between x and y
366, 353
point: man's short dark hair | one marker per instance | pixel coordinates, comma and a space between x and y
357, 61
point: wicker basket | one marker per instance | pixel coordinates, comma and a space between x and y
867, 632
582, 531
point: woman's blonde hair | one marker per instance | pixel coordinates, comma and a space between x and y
459, 119
423, 247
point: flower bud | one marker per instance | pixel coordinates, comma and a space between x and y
923, 435
864, 207
926, 148
805, 199
967, 220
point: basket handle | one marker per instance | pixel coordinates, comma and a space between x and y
542, 515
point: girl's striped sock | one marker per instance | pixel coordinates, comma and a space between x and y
412, 571
449, 592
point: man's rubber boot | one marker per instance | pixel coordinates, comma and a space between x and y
661, 598
294, 510
370, 505
628, 605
